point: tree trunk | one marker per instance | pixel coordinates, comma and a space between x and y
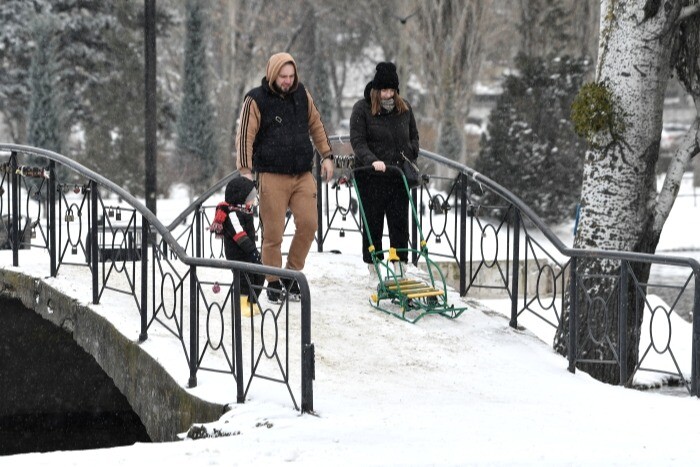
619, 194
247, 16
223, 36
585, 23
452, 52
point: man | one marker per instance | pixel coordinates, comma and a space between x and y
272, 142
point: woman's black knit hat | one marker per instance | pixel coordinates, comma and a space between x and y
386, 77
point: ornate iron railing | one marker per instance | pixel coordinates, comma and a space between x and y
503, 247
82, 220
541, 275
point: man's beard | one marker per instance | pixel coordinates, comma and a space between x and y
280, 90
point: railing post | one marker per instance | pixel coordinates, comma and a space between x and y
462, 235
92, 229
238, 336
414, 224
14, 218
145, 240
319, 201
198, 235
573, 313
308, 365
516, 270
51, 221
150, 107
695, 368
622, 322
194, 335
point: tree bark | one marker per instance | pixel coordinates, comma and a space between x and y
619, 197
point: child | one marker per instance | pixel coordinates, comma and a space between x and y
234, 220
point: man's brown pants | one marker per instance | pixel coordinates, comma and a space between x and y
278, 192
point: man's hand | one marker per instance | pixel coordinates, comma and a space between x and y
327, 167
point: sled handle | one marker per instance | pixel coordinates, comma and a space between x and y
389, 168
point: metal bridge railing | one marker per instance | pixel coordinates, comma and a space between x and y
84, 220
498, 245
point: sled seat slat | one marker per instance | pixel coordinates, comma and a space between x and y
404, 284
414, 289
406, 288
427, 293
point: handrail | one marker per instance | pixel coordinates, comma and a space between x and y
539, 223
87, 173
551, 236
201, 199
514, 200
162, 230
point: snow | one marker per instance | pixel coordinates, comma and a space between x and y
469, 391
487, 89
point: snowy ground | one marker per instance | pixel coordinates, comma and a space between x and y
470, 391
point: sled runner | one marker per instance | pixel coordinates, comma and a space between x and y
407, 297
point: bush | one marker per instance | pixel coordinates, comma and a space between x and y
531, 147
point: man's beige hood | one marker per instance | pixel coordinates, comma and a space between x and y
275, 64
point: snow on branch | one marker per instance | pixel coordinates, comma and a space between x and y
689, 11
687, 150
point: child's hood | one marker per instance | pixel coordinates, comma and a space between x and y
239, 189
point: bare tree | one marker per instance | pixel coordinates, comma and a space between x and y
345, 35
245, 20
585, 21
451, 59
222, 70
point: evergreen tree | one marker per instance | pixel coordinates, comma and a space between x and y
44, 121
16, 49
44, 125
98, 79
197, 149
311, 57
531, 147
83, 52
114, 136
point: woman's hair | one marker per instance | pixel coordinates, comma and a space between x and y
376, 102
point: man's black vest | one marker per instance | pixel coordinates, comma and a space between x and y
282, 144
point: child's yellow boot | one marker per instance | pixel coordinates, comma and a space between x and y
248, 308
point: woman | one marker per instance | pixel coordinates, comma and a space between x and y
382, 132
